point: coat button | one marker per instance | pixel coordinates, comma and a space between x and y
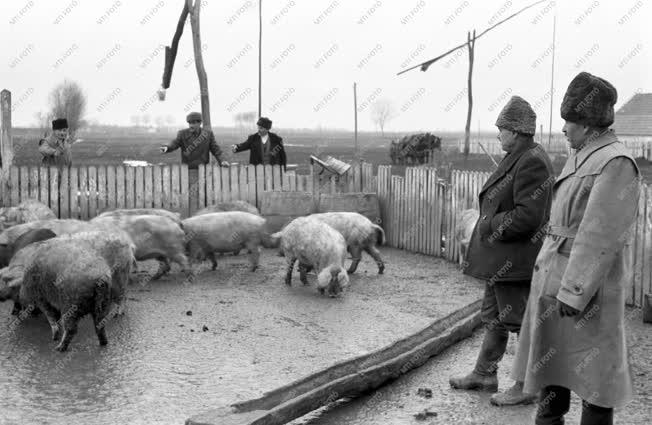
536, 267
578, 289
484, 217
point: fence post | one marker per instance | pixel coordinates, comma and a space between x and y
6, 143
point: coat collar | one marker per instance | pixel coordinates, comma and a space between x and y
506, 164
578, 158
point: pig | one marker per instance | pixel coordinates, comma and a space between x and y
464, 229
26, 211
143, 211
31, 236
154, 236
316, 245
230, 206
67, 280
359, 233
211, 233
58, 226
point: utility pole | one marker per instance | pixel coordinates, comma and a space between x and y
260, 56
355, 116
552, 77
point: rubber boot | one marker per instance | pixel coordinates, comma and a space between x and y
513, 396
484, 376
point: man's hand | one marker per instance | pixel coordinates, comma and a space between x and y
224, 164
566, 310
234, 148
163, 149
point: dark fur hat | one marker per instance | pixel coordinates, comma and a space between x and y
59, 124
589, 100
518, 116
264, 122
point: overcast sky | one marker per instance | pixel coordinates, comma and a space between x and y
313, 51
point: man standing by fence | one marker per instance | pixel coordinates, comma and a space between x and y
514, 206
264, 147
573, 331
56, 148
195, 143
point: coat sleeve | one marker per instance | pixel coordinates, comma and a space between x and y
174, 144
605, 228
246, 145
45, 149
215, 148
532, 192
283, 157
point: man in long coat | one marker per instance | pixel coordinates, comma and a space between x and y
265, 147
573, 335
514, 206
56, 148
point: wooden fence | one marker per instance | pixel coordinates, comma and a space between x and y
418, 210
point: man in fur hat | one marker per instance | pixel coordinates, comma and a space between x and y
573, 335
264, 147
56, 147
514, 207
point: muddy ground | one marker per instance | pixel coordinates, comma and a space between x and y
395, 404
230, 336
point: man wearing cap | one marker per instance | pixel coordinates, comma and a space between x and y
56, 147
264, 147
574, 332
514, 206
195, 143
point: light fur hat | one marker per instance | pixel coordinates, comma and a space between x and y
518, 116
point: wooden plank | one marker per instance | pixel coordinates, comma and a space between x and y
243, 190
217, 185
285, 184
233, 184
54, 190
157, 184
276, 172
34, 183
428, 213
251, 184
44, 185
148, 187
186, 192
92, 191
24, 183
111, 187
423, 217
175, 204
82, 171
140, 188
292, 180
225, 181
166, 196
130, 187
120, 187
209, 198
101, 189
73, 196
201, 190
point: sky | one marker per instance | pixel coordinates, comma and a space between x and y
314, 50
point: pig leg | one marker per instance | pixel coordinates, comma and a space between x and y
375, 254
17, 308
69, 324
237, 252
213, 257
288, 274
100, 327
303, 271
356, 254
182, 260
254, 257
50, 314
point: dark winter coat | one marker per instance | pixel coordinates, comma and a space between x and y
195, 147
256, 150
514, 209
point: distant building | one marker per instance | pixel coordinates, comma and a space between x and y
633, 121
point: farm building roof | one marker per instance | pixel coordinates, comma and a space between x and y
635, 116
331, 164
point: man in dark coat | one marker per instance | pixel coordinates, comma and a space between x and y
195, 143
264, 147
514, 206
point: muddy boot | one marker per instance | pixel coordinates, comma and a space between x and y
484, 376
513, 396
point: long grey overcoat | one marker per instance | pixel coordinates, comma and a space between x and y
585, 262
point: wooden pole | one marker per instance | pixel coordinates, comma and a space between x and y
199, 62
6, 143
171, 51
552, 78
467, 131
355, 116
260, 56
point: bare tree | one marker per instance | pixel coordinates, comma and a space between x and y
145, 119
68, 100
245, 119
43, 123
382, 111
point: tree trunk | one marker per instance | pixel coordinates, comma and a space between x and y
260, 57
199, 62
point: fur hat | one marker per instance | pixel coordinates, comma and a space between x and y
193, 116
518, 116
59, 123
264, 122
589, 100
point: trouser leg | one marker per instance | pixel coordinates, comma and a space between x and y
596, 415
495, 337
554, 403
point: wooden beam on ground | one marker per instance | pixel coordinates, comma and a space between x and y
348, 378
